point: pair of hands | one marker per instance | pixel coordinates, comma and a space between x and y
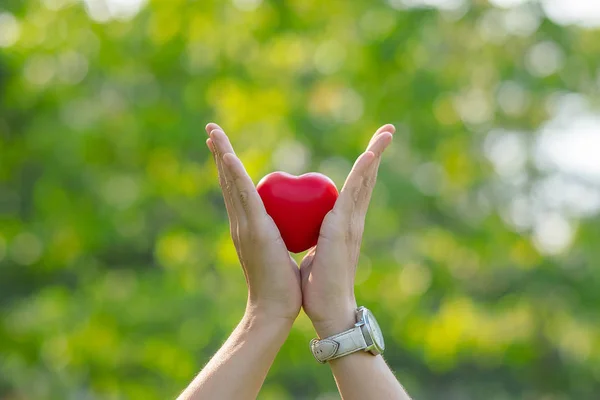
324, 282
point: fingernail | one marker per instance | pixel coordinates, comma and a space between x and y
388, 139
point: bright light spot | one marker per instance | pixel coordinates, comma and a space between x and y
565, 150
247, 5
519, 213
574, 151
429, 178
329, 57
512, 98
552, 234
26, 249
342, 104
507, 3
572, 198
72, 67
105, 10
377, 24
80, 114
415, 279
121, 191
405, 249
565, 103
124, 9
175, 249
291, 157
199, 56
10, 29
576, 342
507, 151
449, 5
491, 26
581, 12
112, 100
40, 69
522, 21
544, 59
585, 13
349, 106
474, 106
97, 10
337, 168
570, 142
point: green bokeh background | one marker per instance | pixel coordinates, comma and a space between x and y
118, 279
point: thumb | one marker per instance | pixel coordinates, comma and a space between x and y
307, 261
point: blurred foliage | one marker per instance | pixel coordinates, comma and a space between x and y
117, 275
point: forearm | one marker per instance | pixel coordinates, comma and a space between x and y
239, 368
361, 375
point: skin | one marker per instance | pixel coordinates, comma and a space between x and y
328, 272
278, 288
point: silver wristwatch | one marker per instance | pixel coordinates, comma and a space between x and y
366, 335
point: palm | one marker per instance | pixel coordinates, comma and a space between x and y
327, 271
323, 285
271, 274
282, 283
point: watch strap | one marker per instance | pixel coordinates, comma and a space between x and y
338, 345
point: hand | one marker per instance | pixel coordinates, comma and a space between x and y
272, 275
328, 270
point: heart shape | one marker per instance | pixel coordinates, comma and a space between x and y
298, 205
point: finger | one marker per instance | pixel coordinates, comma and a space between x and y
224, 184
220, 139
361, 180
307, 263
211, 127
380, 143
385, 128
364, 196
223, 147
348, 195
245, 190
377, 146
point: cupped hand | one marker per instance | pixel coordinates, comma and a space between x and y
328, 270
272, 276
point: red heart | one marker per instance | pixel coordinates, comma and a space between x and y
298, 205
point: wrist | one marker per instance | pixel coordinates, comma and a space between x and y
259, 317
340, 323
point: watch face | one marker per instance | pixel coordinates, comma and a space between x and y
376, 331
